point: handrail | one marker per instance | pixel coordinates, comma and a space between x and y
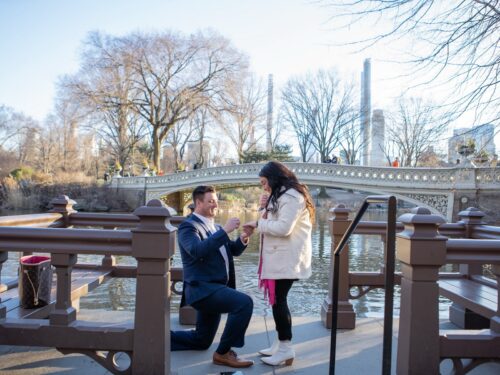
66, 241
486, 232
390, 245
32, 220
469, 251
446, 229
112, 220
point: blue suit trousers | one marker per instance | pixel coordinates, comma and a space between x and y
239, 308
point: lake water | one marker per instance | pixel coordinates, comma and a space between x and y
306, 296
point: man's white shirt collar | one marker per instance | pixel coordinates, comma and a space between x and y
209, 222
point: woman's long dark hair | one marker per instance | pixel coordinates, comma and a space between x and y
278, 176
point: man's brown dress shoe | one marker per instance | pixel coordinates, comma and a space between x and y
231, 359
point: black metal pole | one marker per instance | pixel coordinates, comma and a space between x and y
335, 302
335, 283
389, 279
390, 251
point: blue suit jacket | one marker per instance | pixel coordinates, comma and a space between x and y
203, 265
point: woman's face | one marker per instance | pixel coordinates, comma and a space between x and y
265, 184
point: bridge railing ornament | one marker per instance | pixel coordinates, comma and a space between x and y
349, 173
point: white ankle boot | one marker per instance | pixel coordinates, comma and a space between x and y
285, 354
272, 349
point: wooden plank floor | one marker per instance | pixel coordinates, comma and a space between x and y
82, 282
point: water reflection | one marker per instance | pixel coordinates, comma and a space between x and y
306, 297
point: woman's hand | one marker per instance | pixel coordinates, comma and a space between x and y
250, 226
263, 200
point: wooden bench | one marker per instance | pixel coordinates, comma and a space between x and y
83, 281
478, 295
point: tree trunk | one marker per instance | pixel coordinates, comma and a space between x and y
156, 148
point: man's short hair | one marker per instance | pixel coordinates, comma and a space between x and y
199, 192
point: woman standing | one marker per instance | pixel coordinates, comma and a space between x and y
285, 255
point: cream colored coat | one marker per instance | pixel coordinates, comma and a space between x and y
286, 249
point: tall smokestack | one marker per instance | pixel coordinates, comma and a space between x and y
269, 112
365, 112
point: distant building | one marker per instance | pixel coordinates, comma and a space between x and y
193, 154
377, 158
167, 163
482, 135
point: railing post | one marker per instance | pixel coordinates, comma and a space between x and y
153, 243
4, 255
338, 223
471, 217
421, 251
108, 260
459, 315
63, 205
64, 313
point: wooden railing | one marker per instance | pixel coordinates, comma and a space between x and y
422, 250
353, 285
424, 244
148, 235
151, 241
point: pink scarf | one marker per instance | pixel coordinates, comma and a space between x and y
267, 285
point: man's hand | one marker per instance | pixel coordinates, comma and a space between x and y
244, 237
248, 229
232, 224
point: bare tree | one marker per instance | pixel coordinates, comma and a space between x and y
282, 132
178, 138
9, 120
414, 126
219, 152
202, 119
176, 74
318, 106
48, 158
16, 134
351, 142
390, 151
245, 114
68, 119
103, 89
292, 116
456, 41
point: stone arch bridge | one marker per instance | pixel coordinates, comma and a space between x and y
444, 191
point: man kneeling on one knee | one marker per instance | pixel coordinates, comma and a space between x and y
209, 281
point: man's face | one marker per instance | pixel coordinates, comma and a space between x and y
208, 205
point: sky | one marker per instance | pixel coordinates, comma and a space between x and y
40, 40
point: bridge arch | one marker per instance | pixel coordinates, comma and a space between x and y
180, 198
